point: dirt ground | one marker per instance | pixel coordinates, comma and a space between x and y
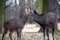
31, 36
30, 33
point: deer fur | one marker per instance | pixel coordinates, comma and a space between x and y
46, 21
15, 25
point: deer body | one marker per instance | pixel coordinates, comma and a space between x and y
46, 21
15, 25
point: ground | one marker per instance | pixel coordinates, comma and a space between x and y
30, 33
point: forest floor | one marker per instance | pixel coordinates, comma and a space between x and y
30, 33
31, 36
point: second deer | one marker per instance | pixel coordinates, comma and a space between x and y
46, 21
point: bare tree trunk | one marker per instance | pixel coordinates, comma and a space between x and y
2, 5
52, 8
16, 9
22, 7
45, 6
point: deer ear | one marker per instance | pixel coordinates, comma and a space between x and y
35, 11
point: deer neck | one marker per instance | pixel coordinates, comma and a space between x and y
37, 18
25, 18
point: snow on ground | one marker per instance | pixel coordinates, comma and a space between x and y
59, 26
31, 28
34, 28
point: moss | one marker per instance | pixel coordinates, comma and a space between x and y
1, 12
56, 31
40, 6
0, 28
45, 6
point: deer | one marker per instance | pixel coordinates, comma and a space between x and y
46, 21
15, 25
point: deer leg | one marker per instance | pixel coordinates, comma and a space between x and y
19, 35
44, 33
5, 31
47, 32
53, 33
40, 30
10, 35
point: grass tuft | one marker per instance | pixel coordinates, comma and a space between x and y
56, 31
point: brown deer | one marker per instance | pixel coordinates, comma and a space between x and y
46, 21
15, 25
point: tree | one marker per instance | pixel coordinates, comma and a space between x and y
2, 11
22, 7
52, 8
39, 5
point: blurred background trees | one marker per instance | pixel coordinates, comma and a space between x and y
1, 4
10, 9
